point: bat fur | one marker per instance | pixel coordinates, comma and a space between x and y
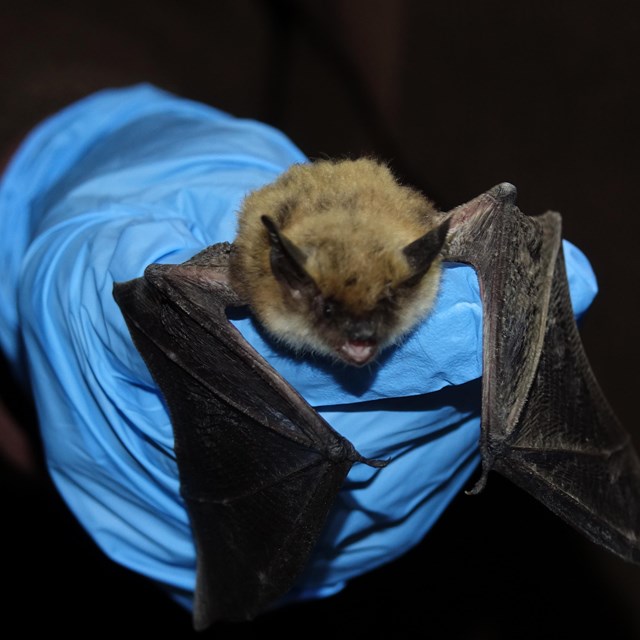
338, 258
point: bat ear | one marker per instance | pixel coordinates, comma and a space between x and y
287, 260
423, 251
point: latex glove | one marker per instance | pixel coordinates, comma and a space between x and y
129, 177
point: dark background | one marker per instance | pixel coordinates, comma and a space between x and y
458, 96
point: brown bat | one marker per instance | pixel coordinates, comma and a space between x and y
259, 468
348, 262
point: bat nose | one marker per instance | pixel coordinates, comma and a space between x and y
362, 331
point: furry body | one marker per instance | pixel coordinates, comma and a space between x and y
324, 257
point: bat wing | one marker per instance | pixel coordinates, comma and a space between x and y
259, 468
546, 424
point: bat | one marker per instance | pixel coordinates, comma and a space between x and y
259, 468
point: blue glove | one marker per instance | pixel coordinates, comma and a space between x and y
133, 176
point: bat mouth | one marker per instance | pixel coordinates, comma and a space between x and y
358, 352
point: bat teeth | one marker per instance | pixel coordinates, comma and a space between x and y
358, 352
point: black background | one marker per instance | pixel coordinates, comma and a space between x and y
458, 96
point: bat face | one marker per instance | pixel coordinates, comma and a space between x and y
337, 258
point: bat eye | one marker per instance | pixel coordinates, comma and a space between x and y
328, 309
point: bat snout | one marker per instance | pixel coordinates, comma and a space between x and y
359, 343
362, 331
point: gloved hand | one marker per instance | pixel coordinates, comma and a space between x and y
129, 177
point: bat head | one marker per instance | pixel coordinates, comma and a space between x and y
338, 258
350, 314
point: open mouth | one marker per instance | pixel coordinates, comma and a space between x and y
358, 352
